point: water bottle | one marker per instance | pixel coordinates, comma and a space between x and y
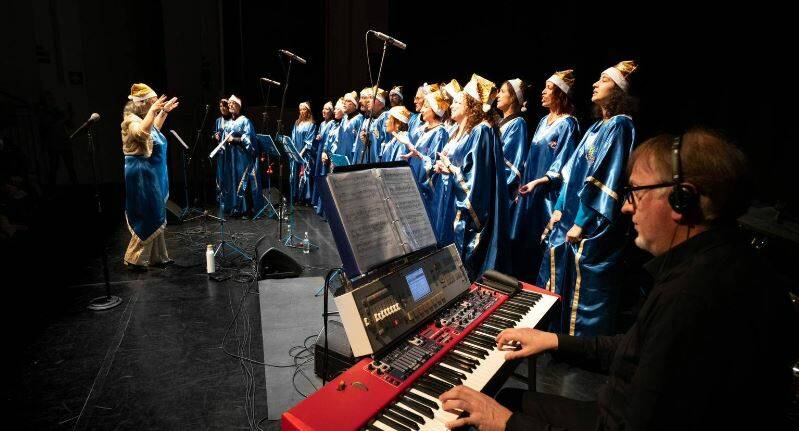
210, 263
306, 244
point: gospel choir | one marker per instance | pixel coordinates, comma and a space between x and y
544, 206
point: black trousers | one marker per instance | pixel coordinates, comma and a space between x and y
537, 411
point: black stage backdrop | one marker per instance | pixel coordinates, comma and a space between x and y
726, 67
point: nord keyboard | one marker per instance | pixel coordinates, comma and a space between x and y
398, 389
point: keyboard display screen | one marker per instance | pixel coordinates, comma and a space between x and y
418, 284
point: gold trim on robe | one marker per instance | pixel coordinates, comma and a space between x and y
607, 190
553, 273
513, 168
576, 297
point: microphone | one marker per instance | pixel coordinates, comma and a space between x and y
292, 56
269, 81
95, 117
386, 38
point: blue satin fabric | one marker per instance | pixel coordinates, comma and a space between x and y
390, 149
147, 188
481, 201
514, 147
550, 144
587, 274
442, 210
320, 172
415, 127
350, 130
376, 136
429, 144
244, 166
303, 135
225, 188
317, 168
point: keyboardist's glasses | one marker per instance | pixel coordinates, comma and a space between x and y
629, 192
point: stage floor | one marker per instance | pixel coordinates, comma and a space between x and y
155, 361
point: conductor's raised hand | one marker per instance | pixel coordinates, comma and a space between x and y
528, 341
171, 104
158, 105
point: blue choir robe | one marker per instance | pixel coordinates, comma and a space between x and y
429, 144
391, 150
552, 145
147, 189
161, 161
303, 135
376, 136
329, 145
515, 145
481, 202
442, 210
587, 274
224, 174
348, 135
244, 166
318, 148
451, 126
415, 127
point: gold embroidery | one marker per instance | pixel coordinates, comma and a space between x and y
609, 191
576, 298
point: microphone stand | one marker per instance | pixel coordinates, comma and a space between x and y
277, 133
264, 122
367, 152
108, 301
188, 210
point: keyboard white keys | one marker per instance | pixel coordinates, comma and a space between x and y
469, 350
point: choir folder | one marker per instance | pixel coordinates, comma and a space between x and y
376, 215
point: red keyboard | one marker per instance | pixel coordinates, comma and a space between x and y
402, 395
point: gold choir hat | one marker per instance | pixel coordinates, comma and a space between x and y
306, 104
352, 97
381, 95
234, 99
139, 92
401, 113
339, 104
481, 90
328, 104
563, 79
620, 73
438, 102
429, 88
398, 91
367, 92
453, 88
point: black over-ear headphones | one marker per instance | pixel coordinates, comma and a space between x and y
683, 198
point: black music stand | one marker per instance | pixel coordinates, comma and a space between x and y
295, 159
188, 209
268, 145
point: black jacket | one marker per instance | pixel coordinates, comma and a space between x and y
712, 345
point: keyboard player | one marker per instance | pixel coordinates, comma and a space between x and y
713, 344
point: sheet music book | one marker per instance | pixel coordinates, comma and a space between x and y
268, 144
376, 215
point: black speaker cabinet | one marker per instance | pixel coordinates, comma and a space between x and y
273, 263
